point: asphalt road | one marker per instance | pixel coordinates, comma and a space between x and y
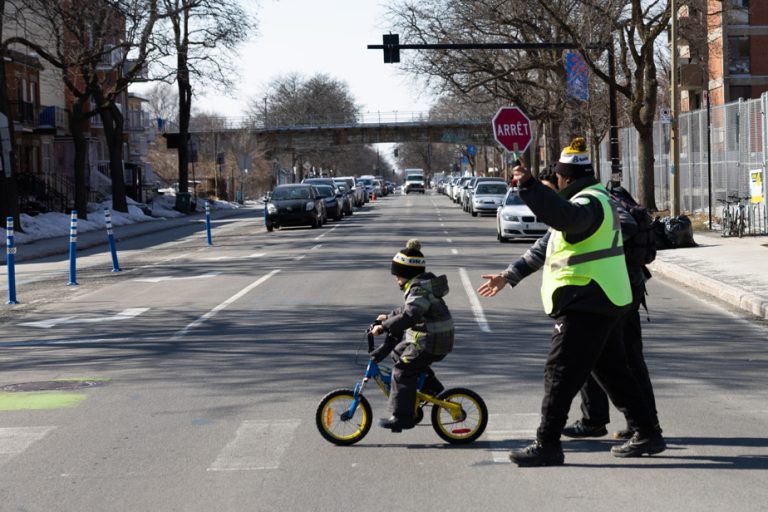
205, 365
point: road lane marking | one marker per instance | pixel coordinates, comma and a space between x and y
221, 258
172, 278
321, 236
258, 444
299, 258
125, 314
316, 247
14, 440
183, 332
477, 309
454, 251
449, 240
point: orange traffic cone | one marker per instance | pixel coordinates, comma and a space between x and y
373, 196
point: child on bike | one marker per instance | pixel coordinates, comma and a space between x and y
418, 334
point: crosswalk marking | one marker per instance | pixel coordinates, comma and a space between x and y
505, 427
258, 444
14, 440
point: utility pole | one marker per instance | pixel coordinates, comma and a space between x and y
674, 129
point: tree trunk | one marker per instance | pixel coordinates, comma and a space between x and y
81, 147
112, 120
185, 112
645, 161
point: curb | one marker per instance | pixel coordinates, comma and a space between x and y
737, 297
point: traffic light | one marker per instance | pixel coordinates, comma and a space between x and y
391, 55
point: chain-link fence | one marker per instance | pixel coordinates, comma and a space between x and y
728, 168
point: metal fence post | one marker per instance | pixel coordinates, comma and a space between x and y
10, 255
111, 240
73, 249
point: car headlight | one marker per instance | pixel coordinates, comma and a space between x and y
476, 200
271, 208
510, 218
310, 206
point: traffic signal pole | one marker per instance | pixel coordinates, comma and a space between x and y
391, 46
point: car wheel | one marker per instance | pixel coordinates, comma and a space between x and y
269, 227
337, 217
500, 238
474, 213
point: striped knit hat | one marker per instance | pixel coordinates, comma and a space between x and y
574, 160
409, 262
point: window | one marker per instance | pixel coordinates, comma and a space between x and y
738, 55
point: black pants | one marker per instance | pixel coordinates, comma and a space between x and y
583, 343
594, 401
410, 362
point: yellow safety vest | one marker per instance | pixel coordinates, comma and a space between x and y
599, 258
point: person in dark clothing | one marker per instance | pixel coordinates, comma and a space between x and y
419, 333
594, 401
586, 289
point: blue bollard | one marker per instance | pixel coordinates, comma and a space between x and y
73, 249
208, 221
111, 240
10, 259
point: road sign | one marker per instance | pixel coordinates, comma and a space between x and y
665, 116
512, 129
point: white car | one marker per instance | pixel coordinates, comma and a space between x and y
487, 197
515, 220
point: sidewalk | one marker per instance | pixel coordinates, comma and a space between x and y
733, 270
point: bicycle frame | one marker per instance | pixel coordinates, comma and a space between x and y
383, 380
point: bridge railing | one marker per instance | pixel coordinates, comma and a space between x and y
362, 118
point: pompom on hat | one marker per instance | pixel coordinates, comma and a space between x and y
574, 160
409, 262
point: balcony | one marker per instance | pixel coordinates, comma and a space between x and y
53, 118
136, 121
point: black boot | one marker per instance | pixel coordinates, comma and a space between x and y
579, 430
396, 424
651, 443
538, 454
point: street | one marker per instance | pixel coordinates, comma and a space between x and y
192, 379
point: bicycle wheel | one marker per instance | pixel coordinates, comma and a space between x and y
469, 426
332, 424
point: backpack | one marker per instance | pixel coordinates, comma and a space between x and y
640, 249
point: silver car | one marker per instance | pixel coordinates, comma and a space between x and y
487, 197
515, 220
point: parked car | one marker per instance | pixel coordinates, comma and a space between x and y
457, 188
333, 199
294, 205
487, 197
515, 220
348, 197
469, 190
358, 192
367, 183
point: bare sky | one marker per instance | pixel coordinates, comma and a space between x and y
321, 36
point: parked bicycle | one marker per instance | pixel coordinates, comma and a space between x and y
735, 216
344, 416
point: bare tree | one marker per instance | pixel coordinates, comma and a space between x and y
292, 100
198, 27
163, 102
637, 25
90, 51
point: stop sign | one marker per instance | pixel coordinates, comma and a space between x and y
512, 128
